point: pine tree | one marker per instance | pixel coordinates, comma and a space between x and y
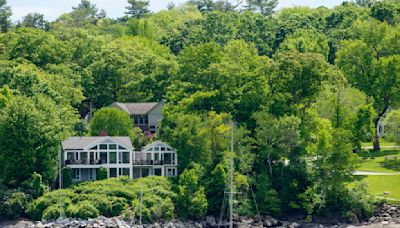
137, 8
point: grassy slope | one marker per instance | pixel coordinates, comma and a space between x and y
375, 164
377, 185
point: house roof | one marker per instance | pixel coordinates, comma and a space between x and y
137, 108
157, 143
83, 142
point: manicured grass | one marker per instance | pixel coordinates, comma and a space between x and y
377, 185
375, 165
381, 143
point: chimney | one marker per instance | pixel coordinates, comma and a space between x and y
103, 133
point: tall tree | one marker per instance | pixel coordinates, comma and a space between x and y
34, 20
111, 120
371, 63
265, 7
138, 8
5, 14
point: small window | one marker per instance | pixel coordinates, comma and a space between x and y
94, 148
157, 148
162, 148
121, 148
84, 157
145, 172
151, 149
70, 156
112, 146
125, 158
103, 146
169, 149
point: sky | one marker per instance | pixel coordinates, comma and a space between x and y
116, 8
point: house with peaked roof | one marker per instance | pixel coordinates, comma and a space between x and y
146, 116
86, 155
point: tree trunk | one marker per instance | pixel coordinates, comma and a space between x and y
270, 164
376, 145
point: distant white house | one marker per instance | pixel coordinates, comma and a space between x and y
146, 116
86, 155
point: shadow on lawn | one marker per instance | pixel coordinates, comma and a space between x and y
375, 154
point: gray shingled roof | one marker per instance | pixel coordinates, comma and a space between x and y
82, 142
137, 108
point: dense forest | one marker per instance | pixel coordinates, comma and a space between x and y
303, 87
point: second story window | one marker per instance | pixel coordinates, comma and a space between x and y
141, 119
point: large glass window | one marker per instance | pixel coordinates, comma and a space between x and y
167, 159
157, 172
84, 157
70, 156
113, 172
141, 119
103, 157
113, 157
125, 172
76, 174
125, 157
145, 172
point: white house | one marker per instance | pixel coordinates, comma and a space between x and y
157, 158
146, 116
86, 155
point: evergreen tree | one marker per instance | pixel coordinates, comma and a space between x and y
5, 14
265, 7
34, 20
138, 8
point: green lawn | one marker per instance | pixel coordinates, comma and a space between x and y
375, 165
377, 185
382, 143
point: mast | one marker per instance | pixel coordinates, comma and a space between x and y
59, 182
231, 180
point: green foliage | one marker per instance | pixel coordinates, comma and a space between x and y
363, 129
5, 14
30, 132
191, 199
392, 126
138, 8
34, 20
67, 175
13, 204
35, 186
111, 120
266, 196
109, 197
83, 210
101, 174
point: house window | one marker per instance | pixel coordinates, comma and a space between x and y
70, 156
84, 157
76, 174
113, 172
94, 148
103, 157
171, 172
157, 172
121, 148
145, 172
141, 119
91, 174
103, 146
124, 157
113, 157
168, 158
112, 146
125, 172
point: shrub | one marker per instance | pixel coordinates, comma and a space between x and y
102, 173
13, 204
83, 210
51, 213
109, 197
35, 186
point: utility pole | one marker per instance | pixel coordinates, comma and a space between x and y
60, 181
231, 180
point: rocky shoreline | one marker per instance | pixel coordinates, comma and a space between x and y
386, 216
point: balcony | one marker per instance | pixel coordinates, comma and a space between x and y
83, 162
147, 162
